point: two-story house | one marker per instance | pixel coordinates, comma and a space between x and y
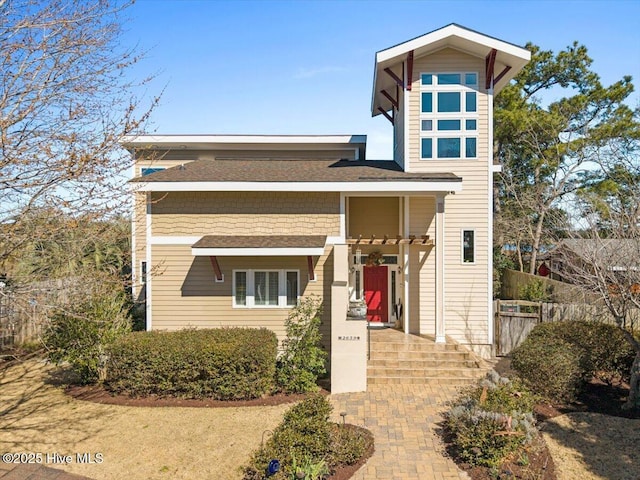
234, 230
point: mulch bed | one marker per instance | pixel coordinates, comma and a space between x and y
598, 397
536, 464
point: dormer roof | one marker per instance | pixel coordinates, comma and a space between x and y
507, 59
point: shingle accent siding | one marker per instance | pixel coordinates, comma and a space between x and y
246, 213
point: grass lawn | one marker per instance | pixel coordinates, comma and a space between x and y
135, 442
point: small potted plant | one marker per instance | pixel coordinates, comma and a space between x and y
357, 309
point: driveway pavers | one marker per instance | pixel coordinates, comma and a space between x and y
403, 420
35, 472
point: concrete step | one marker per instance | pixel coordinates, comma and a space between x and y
396, 358
451, 372
414, 346
422, 363
448, 381
420, 355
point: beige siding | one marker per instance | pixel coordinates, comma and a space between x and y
377, 216
185, 293
466, 286
422, 265
245, 213
447, 60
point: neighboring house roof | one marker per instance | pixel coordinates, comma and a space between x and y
284, 175
259, 245
453, 36
618, 254
247, 142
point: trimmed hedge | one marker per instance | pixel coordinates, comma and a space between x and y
223, 364
550, 367
557, 358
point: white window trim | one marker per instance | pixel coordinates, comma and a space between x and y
462, 231
463, 116
250, 297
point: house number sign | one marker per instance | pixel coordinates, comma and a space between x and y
349, 337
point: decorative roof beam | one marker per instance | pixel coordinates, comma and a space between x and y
312, 273
397, 79
409, 70
389, 117
502, 74
216, 269
399, 240
490, 62
394, 101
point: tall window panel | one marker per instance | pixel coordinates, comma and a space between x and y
449, 115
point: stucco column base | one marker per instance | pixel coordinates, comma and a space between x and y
348, 337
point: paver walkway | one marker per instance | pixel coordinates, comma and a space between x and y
35, 472
403, 420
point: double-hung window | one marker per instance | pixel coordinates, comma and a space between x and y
448, 115
266, 288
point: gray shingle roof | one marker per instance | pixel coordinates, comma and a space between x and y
264, 241
278, 170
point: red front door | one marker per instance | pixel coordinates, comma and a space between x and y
376, 294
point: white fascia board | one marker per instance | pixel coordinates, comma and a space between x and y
451, 31
253, 252
243, 139
174, 240
403, 188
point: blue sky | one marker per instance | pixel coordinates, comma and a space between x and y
306, 67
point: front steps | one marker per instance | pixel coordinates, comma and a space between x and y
397, 358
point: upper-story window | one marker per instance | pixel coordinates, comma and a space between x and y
149, 170
448, 115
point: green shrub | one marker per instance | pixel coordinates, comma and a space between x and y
223, 364
81, 333
306, 440
563, 355
551, 367
489, 422
305, 433
302, 359
536, 290
349, 444
308, 469
503, 395
604, 350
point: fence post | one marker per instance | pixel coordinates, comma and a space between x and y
496, 326
540, 307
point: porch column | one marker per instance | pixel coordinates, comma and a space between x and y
440, 271
348, 337
405, 261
